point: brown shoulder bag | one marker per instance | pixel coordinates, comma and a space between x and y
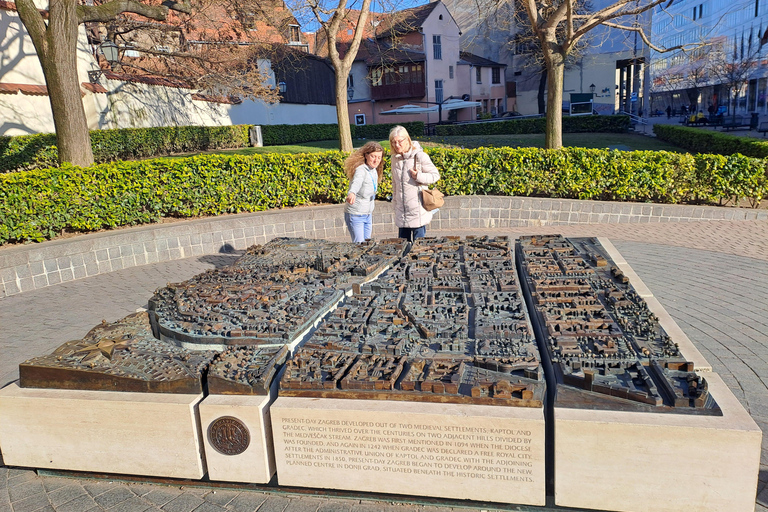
431, 199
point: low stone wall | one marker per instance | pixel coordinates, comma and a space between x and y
32, 266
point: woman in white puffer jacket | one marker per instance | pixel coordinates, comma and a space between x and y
412, 170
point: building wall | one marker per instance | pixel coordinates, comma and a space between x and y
126, 104
489, 31
737, 25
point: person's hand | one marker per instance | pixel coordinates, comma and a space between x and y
413, 173
351, 198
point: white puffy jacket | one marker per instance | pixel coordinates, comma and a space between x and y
406, 196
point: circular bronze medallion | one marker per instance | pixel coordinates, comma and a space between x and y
229, 435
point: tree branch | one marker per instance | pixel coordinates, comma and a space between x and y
647, 41
34, 23
109, 11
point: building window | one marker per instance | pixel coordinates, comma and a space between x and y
437, 48
450, 72
350, 81
294, 33
495, 75
438, 91
479, 75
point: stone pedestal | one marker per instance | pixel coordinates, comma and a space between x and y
151, 434
238, 438
474, 452
635, 462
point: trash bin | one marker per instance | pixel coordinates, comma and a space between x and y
753, 121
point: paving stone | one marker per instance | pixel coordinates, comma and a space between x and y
303, 504
78, 504
337, 506
160, 497
220, 496
274, 504
25, 490
134, 504
53, 483
30, 504
184, 503
247, 502
64, 494
112, 497
210, 507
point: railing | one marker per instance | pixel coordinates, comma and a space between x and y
633, 118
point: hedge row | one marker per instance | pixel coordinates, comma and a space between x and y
575, 124
39, 151
707, 141
40, 204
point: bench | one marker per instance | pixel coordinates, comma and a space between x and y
763, 128
731, 123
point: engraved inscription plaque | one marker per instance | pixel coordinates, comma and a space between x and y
229, 436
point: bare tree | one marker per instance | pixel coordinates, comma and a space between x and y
54, 34
331, 18
559, 25
733, 64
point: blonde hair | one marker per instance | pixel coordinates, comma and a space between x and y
400, 130
357, 159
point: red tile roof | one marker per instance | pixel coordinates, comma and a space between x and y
28, 89
229, 100
143, 79
94, 88
11, 6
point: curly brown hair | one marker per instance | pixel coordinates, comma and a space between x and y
357, 158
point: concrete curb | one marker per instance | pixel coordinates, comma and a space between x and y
30, 267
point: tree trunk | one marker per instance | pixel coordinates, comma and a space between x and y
60, 69
542, 91
554, 125
342, 111
56, 46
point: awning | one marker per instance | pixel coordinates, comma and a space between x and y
451, 104
410, 109
456, 104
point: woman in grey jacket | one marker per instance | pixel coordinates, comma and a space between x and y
364, 169
412, 170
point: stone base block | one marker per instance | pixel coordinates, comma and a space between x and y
458, 451
635, 462
150, 434
237, 434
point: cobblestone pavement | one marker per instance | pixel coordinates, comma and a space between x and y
711, 277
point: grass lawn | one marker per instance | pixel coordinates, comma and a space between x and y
626, 141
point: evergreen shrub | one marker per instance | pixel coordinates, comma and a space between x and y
39, 204
698, 140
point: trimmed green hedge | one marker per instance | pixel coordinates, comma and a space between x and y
575, 124
27, 152
40, 204
707, 141
37, 151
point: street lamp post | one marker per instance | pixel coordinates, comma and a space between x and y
111, 52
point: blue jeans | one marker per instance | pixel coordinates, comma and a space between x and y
359, 227
412, 233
